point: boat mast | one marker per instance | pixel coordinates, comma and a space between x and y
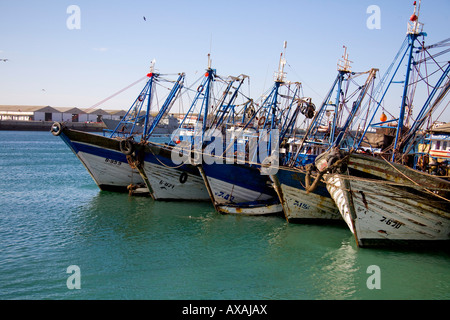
203, 92
150, 89
133, 114
205, 105
279, 79
413, 34
343, 69
167, 104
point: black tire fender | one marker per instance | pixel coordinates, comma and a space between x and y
126, 147
183, 177
56, 129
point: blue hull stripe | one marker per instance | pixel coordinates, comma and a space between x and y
241, 175
94, 150
297, 180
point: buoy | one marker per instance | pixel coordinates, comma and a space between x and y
383, 117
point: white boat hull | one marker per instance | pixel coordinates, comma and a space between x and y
239, 189
229, 193
299, 205
389, 208
108, 173
166, 183
104, 161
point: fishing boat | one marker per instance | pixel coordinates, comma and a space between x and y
170, 170
239, 183
107, 158
382, 196
302, 199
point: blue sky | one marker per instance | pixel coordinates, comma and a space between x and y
114, 45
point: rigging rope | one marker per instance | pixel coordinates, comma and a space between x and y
113, 95
418, 185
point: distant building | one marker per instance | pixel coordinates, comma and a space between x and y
28, 113
68, 114
95, 115
115, 114
440, 141
60, 114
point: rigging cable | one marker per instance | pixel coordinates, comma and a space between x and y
113, 95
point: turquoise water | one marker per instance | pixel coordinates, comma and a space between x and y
52, 216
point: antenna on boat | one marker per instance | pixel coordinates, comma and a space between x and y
279, 76
344, 63
152, 68
209, 60
414, 24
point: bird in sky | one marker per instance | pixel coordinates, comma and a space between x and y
145, 19
4, 60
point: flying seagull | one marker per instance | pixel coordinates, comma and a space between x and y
145, 19
4, 60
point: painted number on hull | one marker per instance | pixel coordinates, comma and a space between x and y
166, 185
224, 195
301, 205
113, 161
393, 223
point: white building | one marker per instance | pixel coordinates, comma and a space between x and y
93, 115
60, 114
440, 142
68, 114
115, 114
28, 113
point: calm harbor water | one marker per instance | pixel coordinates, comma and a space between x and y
52, 216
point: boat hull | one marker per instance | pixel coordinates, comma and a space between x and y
104, 161
168, 181
387, 204
240, 189
250, 210
300, 205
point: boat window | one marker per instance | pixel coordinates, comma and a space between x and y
444, 145
438, 145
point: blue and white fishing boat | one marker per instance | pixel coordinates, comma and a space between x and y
383, 197
107, 158
303, 200
238, 182
170, 170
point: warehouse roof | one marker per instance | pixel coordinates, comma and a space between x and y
27, 108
